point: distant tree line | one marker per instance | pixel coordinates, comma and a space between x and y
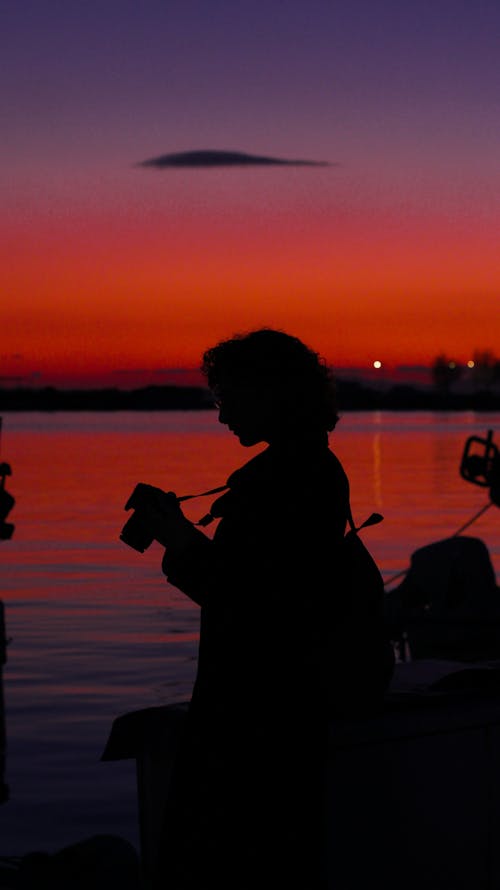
481, 394
149, 398
483, 371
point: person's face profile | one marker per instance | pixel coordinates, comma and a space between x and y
246, 411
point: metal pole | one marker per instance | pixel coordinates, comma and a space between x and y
4, 789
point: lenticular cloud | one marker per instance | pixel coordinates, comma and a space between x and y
218, 158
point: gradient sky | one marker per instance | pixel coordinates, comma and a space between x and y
390, 253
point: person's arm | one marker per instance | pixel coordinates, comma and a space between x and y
262, 554
277, 544
188, 564
187, 550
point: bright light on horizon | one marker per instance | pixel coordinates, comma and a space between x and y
377, 364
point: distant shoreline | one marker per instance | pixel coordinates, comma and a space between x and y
352, 396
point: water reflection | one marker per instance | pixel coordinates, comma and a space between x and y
97, 631
377, 470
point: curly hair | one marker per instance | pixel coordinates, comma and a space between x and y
273, 362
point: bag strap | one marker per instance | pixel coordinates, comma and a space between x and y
373, 519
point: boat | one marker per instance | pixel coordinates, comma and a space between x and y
7, 502
4, 788
448, 603
412, 791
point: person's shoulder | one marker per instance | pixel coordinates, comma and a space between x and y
332, 474
249, 487
287, 468
257, 470
334, 464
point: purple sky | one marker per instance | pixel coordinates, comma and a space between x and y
403, 98
386, 83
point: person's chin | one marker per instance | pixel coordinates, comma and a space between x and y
247, 440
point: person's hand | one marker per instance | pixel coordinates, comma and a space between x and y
165, 518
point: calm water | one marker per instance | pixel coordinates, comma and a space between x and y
96, 629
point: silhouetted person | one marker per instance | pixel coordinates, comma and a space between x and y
247, 802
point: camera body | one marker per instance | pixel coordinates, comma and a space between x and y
137, 532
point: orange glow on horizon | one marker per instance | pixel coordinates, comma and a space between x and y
103, 292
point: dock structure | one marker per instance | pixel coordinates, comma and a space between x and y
4, 790
413, 792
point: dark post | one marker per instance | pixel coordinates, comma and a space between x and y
4, 790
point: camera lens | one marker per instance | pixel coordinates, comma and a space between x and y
136, 534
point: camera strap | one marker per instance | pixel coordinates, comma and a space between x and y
373, 519
208, 518
202, 494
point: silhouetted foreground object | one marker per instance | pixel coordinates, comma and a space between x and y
7, 502
480, 464
448, 605
152, 738
4, 789
103, 862
278, 628
413, 792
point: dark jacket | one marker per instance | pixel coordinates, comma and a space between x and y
275, 650
266, 582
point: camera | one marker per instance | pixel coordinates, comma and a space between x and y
137, 530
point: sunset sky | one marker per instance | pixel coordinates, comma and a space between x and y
113, 271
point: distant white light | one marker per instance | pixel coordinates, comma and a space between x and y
377, 364
470, 364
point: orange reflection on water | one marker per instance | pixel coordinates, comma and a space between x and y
96, 629
73, 474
